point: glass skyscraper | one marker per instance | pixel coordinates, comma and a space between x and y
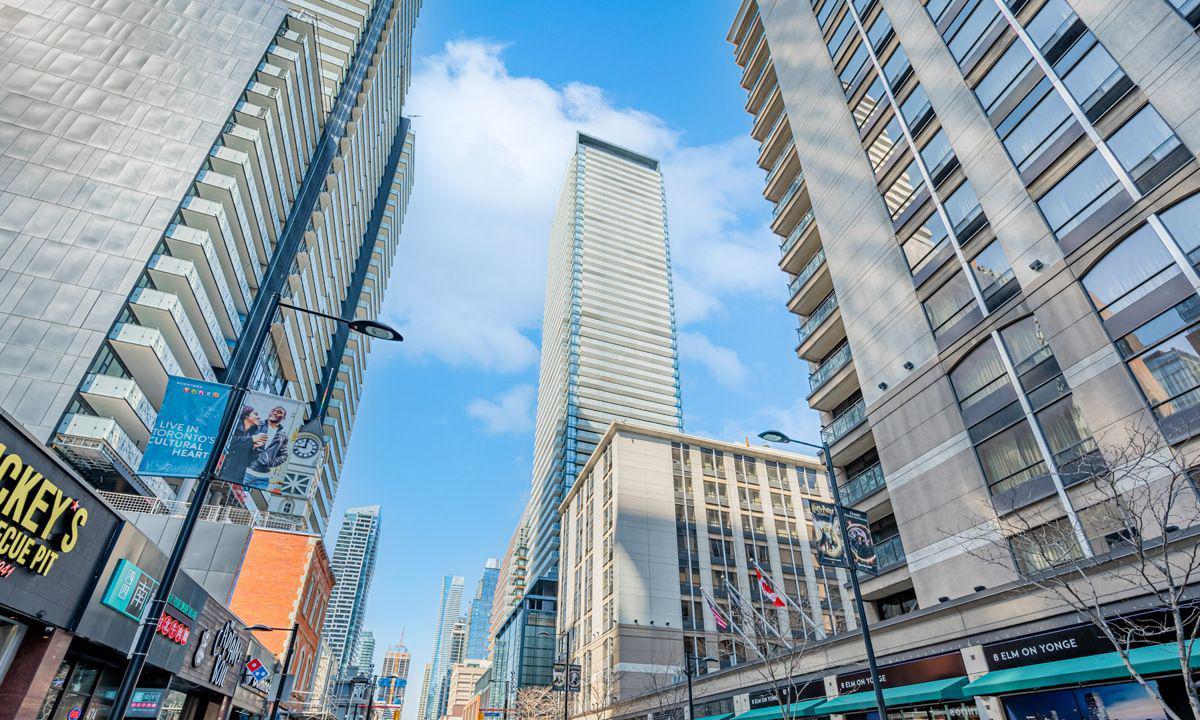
354, 567
479, 617
608, 333
449, 614
167, 168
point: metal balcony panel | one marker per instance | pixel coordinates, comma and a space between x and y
820, 337
256, 118
196, 247
791, 209
164, 312
801, 243
209, 216
222, 189
841, 384
97, 446
247, 141
236, 164
145, 353
777, 139
265, 97
763, 86
121, 399
786, 169
772, 112
179, 276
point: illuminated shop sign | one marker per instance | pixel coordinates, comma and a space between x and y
39, 522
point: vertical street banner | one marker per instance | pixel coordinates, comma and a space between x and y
186, 428
827, 540
256, 454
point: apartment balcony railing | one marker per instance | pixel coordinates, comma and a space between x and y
771, 133
862, 484
838, 360
889, 553
810, 268
818, 316
849, 419
779, 163
100, 445
790, 241
762, 38
230, 514
758, 80
787, 196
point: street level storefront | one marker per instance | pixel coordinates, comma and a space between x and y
54, 534
1073, 673
930, 688
795, 701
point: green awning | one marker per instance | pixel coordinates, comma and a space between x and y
925, 692
721, 716
801, 709
1150, 660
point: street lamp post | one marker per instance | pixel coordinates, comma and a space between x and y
693, 667
868, 646
245, 365
566, 677
287, 663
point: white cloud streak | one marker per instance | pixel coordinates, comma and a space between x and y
510, 413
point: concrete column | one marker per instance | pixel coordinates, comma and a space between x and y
37, 660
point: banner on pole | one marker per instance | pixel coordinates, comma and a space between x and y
186, 428
831, 550
259, 445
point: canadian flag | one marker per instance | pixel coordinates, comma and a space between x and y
767, 590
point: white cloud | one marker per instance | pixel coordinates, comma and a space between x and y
511, 412
491, 152
721, 362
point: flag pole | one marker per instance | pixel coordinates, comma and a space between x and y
783, 594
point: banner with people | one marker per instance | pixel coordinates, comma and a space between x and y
256, 454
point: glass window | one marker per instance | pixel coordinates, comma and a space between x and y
968, 29
1011, 457
962, 209
1046, 546
885, 143
880, 30
937, 154
896, 68
1050, 23
1091, 79
979, 376
1183, 222
1142, 145
994, 276
827, 11
935, 8
870, 100
853, 66
1079, 194
1129, 271
1004, 73
1189, 9
1169, 372
919, 248
1039, 120
916, 108
899, 195
839, 35
949, 303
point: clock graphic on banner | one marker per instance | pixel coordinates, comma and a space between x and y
304, 461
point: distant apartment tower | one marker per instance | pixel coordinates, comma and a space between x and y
460, 688
364, 654
510, 583
608, 332
353, 567
393, 680
480, 614
652, 501
426, 689
151, 249
449, 616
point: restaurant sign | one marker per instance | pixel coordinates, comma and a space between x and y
39, 521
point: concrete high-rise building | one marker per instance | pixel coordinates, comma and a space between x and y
147, 219
988, 213
479, 615
608, 332
510, 583
426, 690
353, 568
393, 680
444, 646
650, 526
396, 661
364, 654
460, 688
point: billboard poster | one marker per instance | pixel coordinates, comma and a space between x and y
827, 540
186, 428
260, 443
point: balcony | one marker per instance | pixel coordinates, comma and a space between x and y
196, 246
209, 217
164, 312
799, 244
810, 286
180, 277
768, 117
818, 316
146, 355
753, 68
862, 485
889, 554
787, 168
849, 419
772, 146
763, 84
121, 399
791, 208
97, 446
128, 505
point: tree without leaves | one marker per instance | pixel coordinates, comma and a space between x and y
1139, 513
537, 702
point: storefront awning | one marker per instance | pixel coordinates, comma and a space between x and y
926, 692
802, 709
1150, 660
719, 716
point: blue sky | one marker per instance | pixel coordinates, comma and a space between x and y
444, 436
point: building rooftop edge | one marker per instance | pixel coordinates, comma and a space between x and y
618, 426
583, 138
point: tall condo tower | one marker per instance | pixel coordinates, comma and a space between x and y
480, 614
608, 333
353, 567
154, 202
449, 614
